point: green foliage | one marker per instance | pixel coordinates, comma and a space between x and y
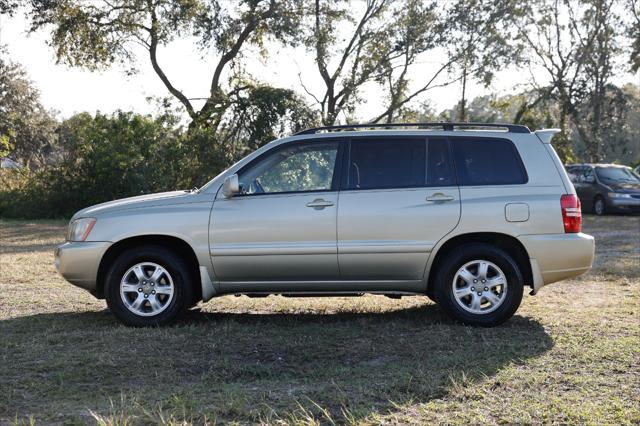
104, 158
263, 113
95, 35
26, 128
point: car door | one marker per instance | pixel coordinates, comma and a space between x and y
280, 230
589, 187
399, 198
584, 183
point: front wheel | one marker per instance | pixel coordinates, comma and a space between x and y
148, 285
599, 206
479, 284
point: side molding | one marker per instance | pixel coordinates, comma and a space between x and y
207, 286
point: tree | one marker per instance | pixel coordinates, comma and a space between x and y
416, 28
8, 7
258, 114
577, 44
95, 35
344, 67
482, 40
633, 32
26, 127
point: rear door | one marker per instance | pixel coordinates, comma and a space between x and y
398, 198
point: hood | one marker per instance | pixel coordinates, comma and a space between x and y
149, 200
625, 187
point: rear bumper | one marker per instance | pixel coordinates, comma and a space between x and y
78, 262
556, 257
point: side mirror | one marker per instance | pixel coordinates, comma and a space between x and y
590, 179
230, 186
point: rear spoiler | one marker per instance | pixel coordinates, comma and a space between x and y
545, 135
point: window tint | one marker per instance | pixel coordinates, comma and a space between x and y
296, 168
484, 161
573, 173
616, 175
588, 176
389, 163
439, 169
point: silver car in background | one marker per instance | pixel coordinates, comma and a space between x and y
468, 215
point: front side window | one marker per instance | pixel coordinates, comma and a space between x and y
486, 161
295, 168
386, 163
588, 176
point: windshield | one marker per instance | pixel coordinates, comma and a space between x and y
616, 174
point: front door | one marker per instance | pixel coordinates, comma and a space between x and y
399, 198
281, 228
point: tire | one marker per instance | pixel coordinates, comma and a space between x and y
599, 206
496, 303
137, 298
431, 293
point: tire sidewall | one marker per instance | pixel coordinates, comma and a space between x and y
175, 266
459, 257
595, 206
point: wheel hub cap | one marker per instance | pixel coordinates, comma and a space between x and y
479, 287
146, 289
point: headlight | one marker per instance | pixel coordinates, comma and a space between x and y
618, 195
79, 229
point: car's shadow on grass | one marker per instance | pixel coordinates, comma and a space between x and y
251, 366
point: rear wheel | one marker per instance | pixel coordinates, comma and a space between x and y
148, 285
479, 284
599, 206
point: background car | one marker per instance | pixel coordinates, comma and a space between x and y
606, 188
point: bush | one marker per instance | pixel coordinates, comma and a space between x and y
103, 158
107, 157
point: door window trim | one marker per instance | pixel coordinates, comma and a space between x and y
337, 169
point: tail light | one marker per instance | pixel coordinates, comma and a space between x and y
571, 213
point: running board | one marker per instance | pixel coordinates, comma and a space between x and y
390, 294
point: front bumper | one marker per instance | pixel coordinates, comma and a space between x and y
556, 257
78, 262
625, 204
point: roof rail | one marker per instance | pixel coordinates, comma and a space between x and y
513, 128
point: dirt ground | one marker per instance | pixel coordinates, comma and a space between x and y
570, 355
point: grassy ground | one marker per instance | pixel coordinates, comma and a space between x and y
570, 355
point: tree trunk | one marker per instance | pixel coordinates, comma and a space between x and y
463, 112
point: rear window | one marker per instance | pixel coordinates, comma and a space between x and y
486, 161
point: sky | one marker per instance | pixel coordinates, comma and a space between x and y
68, 90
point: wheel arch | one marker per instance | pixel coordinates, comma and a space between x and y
504, 242
177, 245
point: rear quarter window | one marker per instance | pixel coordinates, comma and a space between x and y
487, 161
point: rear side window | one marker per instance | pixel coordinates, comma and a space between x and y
387, 163
486, 161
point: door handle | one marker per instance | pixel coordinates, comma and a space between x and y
319, 204
440, 197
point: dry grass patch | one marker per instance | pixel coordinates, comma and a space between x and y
570, 355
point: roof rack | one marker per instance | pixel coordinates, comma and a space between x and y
513, 128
